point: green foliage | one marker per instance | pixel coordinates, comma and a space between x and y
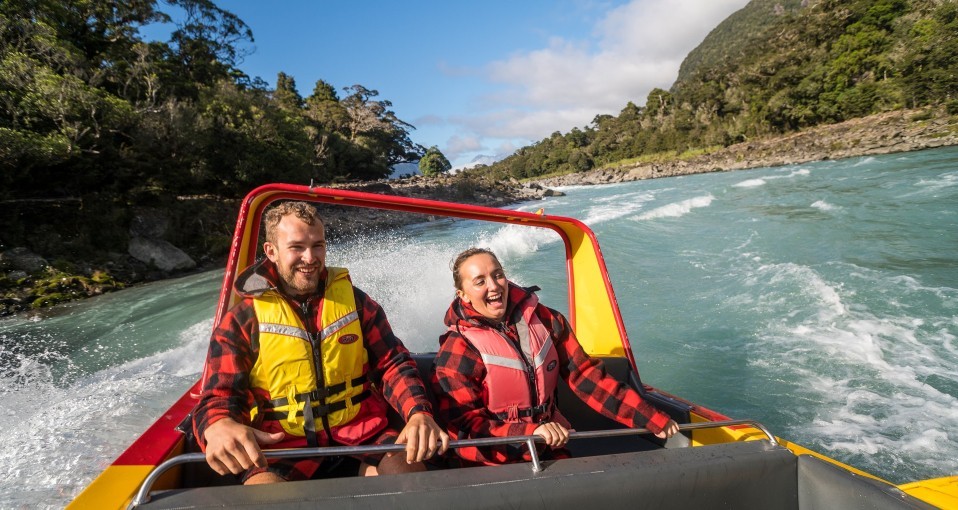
95, 121
434, 162
773, 67
86, 106
286, 94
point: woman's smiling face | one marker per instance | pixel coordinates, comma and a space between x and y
484, 286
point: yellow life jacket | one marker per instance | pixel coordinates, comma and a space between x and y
287, 368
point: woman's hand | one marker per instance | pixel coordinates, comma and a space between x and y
669, 430
555, 435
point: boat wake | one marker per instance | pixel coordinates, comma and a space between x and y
64, 436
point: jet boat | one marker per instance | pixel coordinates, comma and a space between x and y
716, 462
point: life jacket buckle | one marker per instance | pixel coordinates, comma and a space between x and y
513, 413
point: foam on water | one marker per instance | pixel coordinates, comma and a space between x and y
63, 437
616, 206
940, 183
754, 183
395, 275
750, 183
677, 209
513, 242
865, 370
823, 205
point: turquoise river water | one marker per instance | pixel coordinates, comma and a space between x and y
820, 299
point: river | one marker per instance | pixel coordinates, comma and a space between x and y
820, 299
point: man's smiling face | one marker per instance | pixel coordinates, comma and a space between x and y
484, 286
299, 253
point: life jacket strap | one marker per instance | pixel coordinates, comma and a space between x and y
535, 412
317, 410
319, 393
309, 423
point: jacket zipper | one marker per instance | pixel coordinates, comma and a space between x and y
315, 342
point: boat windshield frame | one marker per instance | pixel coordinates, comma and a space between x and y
593, 310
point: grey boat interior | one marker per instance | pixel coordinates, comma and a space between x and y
623, 471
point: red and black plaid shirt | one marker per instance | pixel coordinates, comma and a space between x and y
234, 348
459, 374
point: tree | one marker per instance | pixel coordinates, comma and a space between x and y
286, 94
380, 139
324, 108
246, 141
206, 43
434, 162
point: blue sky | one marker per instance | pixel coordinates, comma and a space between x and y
481, 79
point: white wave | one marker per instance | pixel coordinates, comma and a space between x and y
801, 172
823, 205
516, 242
750, 183
64, 437
552, 204
640, 196
865, 371
810, 283
761, 181
677, 209
864, 161
412, 281
621, 206
943, 181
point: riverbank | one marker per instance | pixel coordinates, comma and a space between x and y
898, 131
193, 233
189, 234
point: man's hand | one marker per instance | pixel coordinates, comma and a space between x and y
234, 448
669, 430
421, 436
555, 434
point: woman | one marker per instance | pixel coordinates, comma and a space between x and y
498, 366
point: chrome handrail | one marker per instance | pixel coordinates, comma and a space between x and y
143, 494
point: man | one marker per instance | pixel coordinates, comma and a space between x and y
307, 359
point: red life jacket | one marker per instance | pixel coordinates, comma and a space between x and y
519, 386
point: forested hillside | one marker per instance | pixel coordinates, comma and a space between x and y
89, 106
772, 68
95, 120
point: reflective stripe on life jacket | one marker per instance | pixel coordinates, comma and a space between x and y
515, 389
287, 365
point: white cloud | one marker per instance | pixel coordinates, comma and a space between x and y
457, 145
635, 48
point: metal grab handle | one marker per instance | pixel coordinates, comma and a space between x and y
142, 496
